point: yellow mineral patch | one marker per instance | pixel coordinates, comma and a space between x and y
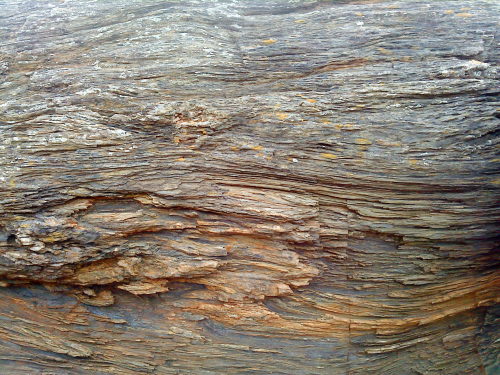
311, 100
235, 148
325, 121
269, 41
449, 11
54, 237
281, 115
385, 51
359, 14
390, 144
363, 141
328, 156
177, 140
413, 162
300, 21
257, 148
464, 15
341, 126
181, 159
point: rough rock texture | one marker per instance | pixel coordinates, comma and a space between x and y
249, 187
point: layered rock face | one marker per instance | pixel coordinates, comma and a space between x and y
249, 187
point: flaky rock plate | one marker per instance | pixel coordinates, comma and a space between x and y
249, 187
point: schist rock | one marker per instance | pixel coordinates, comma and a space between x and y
249, 187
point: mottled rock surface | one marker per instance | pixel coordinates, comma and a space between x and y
249, 187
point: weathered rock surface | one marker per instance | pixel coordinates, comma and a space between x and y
249, 187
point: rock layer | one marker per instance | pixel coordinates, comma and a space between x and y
229, 187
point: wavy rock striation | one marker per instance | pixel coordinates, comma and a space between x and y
233, 187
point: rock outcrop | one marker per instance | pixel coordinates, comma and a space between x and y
249, 187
